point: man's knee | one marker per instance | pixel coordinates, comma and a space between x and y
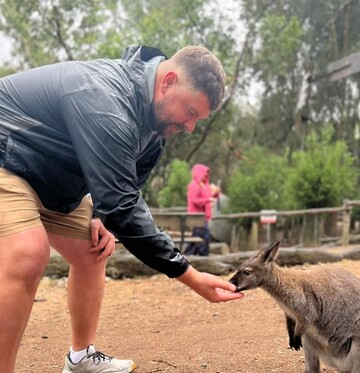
30, 267
26, 255
35, 260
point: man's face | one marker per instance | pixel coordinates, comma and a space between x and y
178, 110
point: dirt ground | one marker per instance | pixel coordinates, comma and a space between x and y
165, 327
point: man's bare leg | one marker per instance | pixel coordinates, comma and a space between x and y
86, 286
23, 257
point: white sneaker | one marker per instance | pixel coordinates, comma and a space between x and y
97, 362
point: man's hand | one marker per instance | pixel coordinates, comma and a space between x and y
208, 286
103, 240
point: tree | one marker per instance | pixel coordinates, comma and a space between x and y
328, 32
277, 66
175, 190
258, 183
323, 175
4, 71
51, 31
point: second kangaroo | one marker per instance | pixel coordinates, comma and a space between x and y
322, 308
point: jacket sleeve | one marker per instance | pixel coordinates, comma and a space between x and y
144, 240
106, 141
196, 196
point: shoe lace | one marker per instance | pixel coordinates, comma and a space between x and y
98, 357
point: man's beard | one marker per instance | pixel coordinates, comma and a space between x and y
164, 125
161, 121
160, 127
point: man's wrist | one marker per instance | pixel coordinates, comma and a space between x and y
189, 276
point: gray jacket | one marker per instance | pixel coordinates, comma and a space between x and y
77, 127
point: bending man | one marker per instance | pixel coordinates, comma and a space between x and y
96, 127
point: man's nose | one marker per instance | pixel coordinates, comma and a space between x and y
190, 125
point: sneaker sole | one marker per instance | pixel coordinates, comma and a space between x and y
131, 369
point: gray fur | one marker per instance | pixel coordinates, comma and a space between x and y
321, 304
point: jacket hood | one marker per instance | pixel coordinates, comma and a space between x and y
199, 171
134, 56
146, 53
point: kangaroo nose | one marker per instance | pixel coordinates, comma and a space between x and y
233, 280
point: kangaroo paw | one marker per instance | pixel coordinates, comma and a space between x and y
295, 343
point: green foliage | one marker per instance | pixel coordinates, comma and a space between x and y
323, 175
280, 38
299, 37
277, 65
174, 193
258, 183
166, 25
47, 32
4, 71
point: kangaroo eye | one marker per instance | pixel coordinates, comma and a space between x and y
247, 272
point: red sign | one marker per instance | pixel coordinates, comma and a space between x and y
268, 217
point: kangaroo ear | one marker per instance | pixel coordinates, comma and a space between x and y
270, 253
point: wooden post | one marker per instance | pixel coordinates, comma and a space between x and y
182, 232
254, 236
346, 222
310, 230
235, 238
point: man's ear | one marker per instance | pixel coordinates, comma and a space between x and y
168, 80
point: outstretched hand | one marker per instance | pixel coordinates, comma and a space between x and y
103, 240
209, 286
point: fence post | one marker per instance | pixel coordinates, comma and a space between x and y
346, 222
310, 230
254, 236
234, 242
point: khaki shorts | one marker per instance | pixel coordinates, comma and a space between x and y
21, 209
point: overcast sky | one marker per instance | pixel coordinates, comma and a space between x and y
5, 47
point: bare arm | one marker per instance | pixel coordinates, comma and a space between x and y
209, 286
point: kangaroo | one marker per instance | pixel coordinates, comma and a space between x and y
321, 305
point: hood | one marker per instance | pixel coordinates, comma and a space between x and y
134, 56
146, 53
199, 171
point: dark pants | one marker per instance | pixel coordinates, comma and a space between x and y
201, 249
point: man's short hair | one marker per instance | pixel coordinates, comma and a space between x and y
205, 72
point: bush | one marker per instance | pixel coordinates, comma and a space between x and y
258, 184
322, 176
174, 193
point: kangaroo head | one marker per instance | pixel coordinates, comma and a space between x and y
252, 272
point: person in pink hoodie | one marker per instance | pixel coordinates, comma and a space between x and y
201, 195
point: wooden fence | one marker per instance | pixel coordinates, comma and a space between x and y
311, 226
179, 224
306, 227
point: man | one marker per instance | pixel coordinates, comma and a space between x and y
95, 127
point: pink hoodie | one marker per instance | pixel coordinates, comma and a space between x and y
199, 194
